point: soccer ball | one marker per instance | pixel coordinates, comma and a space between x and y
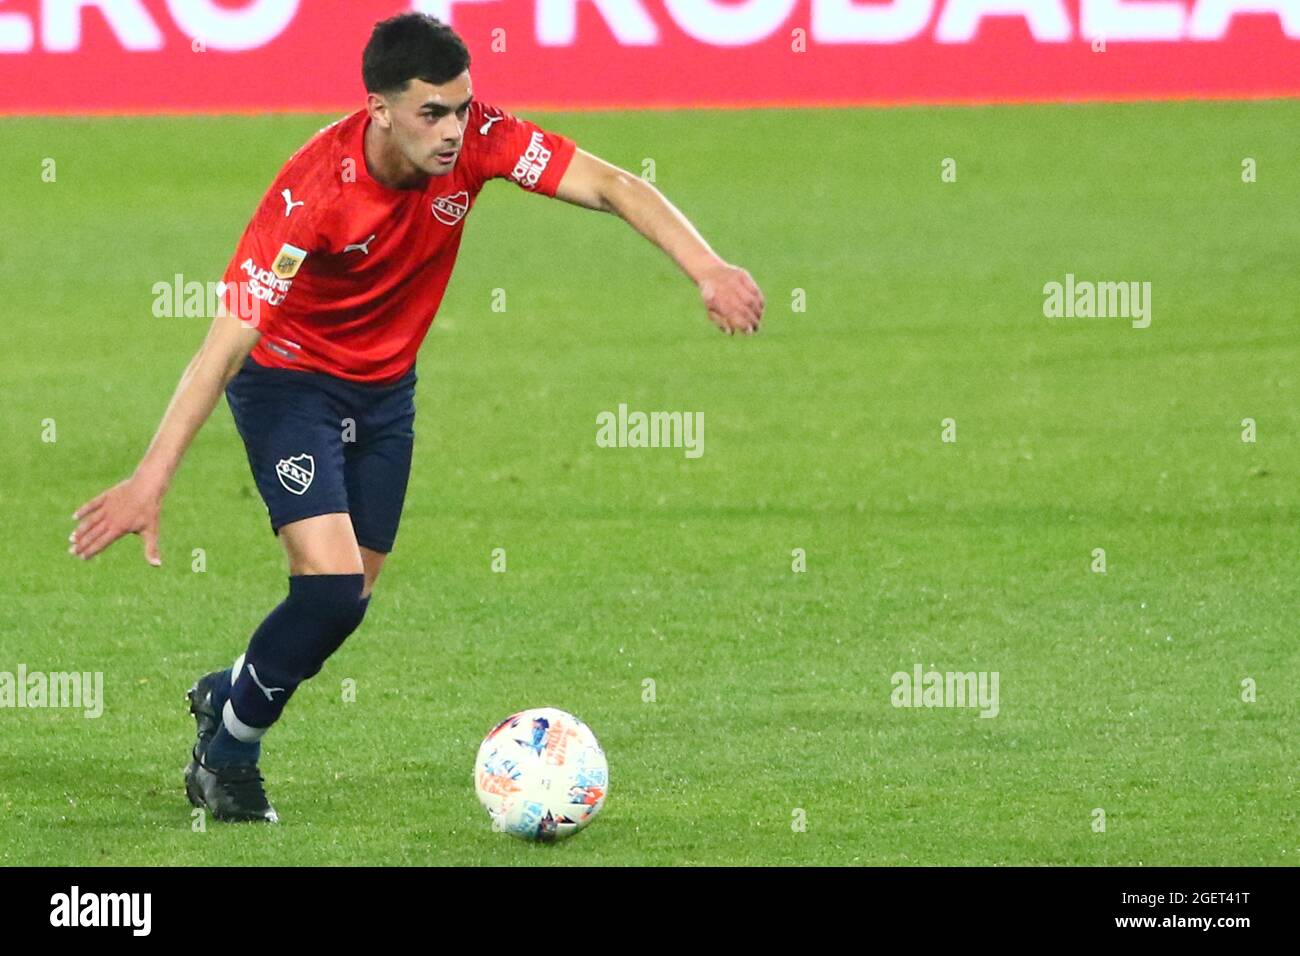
541, 775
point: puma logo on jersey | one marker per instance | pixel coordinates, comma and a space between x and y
268, 691
289, 202
362, 247
487, 124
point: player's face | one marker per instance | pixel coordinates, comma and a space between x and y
428, 123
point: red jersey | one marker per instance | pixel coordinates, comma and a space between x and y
343, 275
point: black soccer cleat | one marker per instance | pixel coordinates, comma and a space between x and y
205, 716
231, 793
228, 793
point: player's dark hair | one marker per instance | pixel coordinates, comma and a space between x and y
412, 46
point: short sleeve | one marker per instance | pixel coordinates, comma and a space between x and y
507, 147
278, 240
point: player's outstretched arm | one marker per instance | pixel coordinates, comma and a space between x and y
134, 505
732, 298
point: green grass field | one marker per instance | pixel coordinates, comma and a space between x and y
1120, 691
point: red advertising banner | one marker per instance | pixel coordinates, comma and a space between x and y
87, 56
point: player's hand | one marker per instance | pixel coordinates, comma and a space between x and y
130, 507
733, 299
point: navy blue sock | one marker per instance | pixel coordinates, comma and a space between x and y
221, 691
289, 647
224, 750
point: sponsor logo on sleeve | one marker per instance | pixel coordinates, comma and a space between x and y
532, 163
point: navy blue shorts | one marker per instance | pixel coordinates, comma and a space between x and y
319, 445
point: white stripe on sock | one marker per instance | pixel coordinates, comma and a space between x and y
238, 729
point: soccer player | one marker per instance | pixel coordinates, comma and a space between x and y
330, 292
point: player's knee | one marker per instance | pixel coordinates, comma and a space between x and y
329, 565
335, 604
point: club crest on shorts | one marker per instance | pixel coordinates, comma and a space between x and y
296, 473
450, 210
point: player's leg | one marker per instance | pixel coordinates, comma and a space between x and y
325, 604
323, 544
290, 426
334, 560
322, 608
330, 577
334, 557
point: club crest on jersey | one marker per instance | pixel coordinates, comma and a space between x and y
296, 473
288, 261
450, 210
